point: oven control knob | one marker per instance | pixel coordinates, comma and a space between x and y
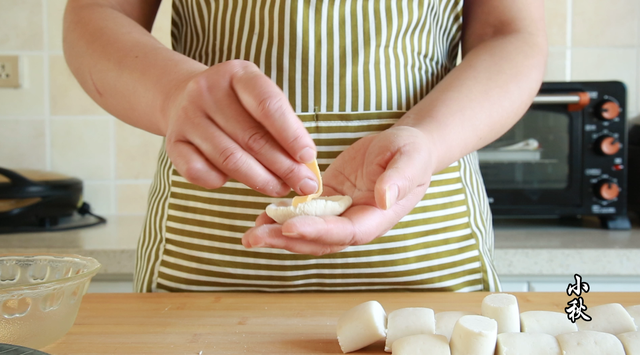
607, 190
608, 110
608, 145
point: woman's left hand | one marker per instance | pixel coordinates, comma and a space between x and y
386, 175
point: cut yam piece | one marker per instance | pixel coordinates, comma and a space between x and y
474, 335
609, 318
409, 321
502, 307
361, 326
421, 344
310, 205
631, 342
527, 344
634, 312
552, 323
445, 321
587, 342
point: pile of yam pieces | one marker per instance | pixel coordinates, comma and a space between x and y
500, 329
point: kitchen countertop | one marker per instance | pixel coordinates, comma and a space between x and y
555, 248
522, 247
113, 244
257, 323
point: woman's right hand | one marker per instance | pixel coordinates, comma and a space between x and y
232, 121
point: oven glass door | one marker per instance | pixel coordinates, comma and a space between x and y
536, 161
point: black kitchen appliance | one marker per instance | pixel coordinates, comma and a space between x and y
33, 201
634, 169
566, 157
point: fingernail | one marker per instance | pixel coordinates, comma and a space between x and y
289, 234
259, 244
307, 155
284, 190
391, 195
308, 187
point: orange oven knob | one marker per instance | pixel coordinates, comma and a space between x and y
608, 110
608, 145
607, 190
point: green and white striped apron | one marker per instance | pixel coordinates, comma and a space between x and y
350, 68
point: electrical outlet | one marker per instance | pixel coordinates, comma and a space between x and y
9, 71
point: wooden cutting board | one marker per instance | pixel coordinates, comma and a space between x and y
251, 323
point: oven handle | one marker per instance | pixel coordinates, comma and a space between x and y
576, 101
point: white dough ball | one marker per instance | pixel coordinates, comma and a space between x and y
321, 206
408, 321
587, 342
609, 318
527, 344
502, 307
445, 321
421, 344
552, 323
474, 335
631, 342
361, 326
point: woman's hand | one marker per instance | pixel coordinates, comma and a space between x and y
220, 122
385, 174
232, 121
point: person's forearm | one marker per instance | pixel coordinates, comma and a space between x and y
481, 98
120, 64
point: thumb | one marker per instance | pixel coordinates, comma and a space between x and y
405, 172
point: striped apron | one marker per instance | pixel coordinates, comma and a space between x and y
350, 68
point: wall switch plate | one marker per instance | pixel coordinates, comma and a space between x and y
9, 71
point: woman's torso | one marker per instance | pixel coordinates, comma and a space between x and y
350, 68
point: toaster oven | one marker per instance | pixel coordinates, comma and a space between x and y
566, 157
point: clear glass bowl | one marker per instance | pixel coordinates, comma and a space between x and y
40, 296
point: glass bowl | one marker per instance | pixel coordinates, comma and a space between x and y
40, 296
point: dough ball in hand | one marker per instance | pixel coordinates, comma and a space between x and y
310, 205
321, 206
361, 326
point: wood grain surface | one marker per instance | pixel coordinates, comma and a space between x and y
257, 323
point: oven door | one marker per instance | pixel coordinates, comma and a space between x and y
534, 168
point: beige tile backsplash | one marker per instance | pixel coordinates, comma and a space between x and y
29, 99
82, 147
132, 198
50, 123
67, 96
555, 12
556, 65
611, 23
101, 196
21, 25
145, 146
23, 143
55, 12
